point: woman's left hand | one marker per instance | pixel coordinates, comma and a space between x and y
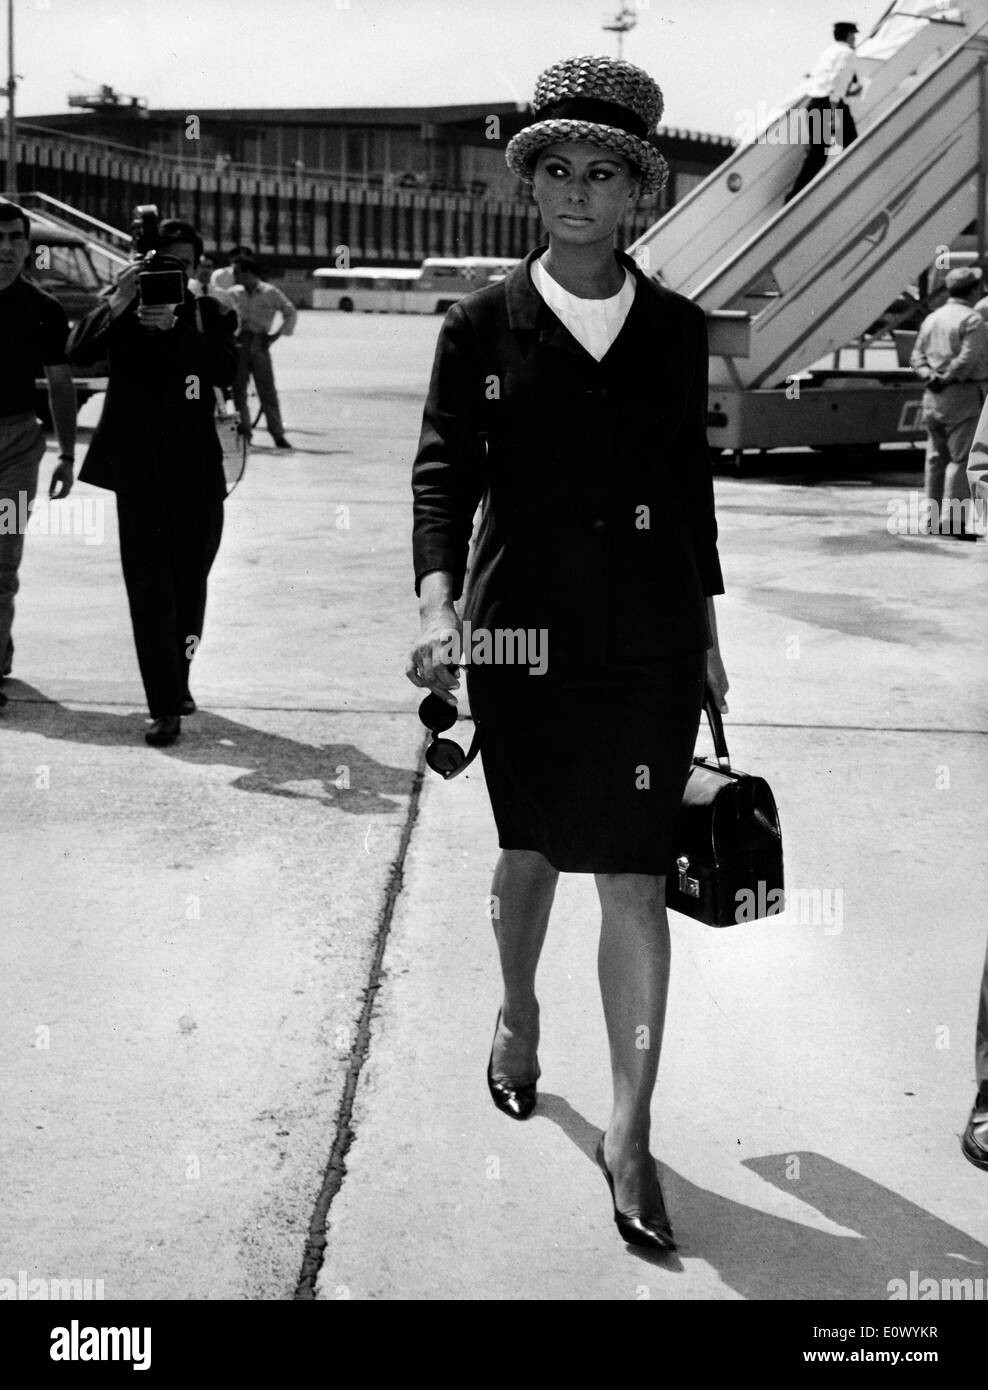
717, 679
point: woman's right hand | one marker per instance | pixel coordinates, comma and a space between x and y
429, 663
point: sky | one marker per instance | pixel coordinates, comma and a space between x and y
713, 59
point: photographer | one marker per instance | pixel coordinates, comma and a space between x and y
156, 448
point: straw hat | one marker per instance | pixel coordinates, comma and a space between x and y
602, 100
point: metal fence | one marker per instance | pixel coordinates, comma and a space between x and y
296, 221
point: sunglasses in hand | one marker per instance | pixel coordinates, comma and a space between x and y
443, 755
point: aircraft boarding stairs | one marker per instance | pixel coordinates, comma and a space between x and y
785, 284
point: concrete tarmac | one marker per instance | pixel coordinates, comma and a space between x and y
251, 979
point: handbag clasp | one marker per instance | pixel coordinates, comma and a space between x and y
687, 885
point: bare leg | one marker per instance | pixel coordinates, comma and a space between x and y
633, 967
523, 889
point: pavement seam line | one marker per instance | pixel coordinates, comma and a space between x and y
466, 718
350, 709
335, 1171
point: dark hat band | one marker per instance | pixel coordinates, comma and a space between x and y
595, 110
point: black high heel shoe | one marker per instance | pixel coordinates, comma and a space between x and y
653, 1232
514, 1100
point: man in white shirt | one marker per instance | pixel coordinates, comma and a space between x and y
257, 304
204, 284
225, 277
828, 115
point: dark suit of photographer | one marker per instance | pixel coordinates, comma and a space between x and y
156, 448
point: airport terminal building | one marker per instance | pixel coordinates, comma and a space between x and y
392, 184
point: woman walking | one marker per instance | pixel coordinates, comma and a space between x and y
571, 400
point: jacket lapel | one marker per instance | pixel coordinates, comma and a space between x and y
528, 313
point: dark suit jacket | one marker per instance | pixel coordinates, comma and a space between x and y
598, 517
157, 428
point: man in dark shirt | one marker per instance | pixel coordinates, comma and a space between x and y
156, 448
33, 330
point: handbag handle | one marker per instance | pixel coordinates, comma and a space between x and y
717, 731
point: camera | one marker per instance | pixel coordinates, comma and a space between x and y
163, 283
163, 279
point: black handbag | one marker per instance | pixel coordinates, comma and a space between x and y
727, 849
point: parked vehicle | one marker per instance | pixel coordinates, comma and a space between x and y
369, 290
439, 282
449, 278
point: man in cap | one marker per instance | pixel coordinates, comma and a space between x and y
951, 358
832, 81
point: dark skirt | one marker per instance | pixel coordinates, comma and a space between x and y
587, 766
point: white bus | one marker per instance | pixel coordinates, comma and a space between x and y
439, 282
366, 288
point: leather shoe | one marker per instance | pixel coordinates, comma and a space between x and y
164, 731
512, 1099
654, 1232
189, 705
974, 1140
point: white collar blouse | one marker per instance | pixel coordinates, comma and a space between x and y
594, 323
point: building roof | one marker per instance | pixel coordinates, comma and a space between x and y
514, 114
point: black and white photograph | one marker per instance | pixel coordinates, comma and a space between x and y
493, 562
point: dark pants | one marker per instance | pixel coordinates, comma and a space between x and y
833, 119
167, 549
254, 360
22, 447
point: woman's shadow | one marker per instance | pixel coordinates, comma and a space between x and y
340, 775
762, 1256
